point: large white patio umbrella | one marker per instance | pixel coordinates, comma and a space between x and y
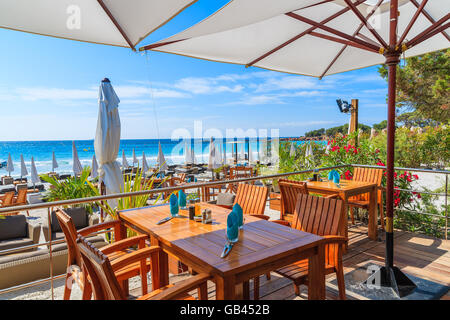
187, 154
76, 164
94, 167
107, 138
112, 22
34, 174
23, 167
124, 160
161, 159
212, 155
218, 156
145, 166
320, 38
54, 162
194, 159
9, 165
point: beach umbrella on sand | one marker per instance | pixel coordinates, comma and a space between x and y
242, 155
211, 157
112, 22
9, 165
76, 166
187, 154
218, 156
135, 159
250, 155
161, 160
145, 166
124, 160
224, 154
193, 158
320, 38
23, 167
94, 167
292, 150
54, 162
34, 175
107, 138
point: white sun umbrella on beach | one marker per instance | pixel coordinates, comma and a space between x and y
135, 159
112, 22
124, 160
193, 158
211, 157
23, 167
76, 164
9, 165
242, 155
161, 159
54, 162
262, 155
292, 150
145, 166
224, 158
309, 154
94, 167
250, 155
107, 138
218, 156
187, 154
34, 174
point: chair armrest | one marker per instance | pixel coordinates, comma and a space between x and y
180, 288
98, 227
335, 239
282, 222
34, 232
124, 244
93, 219
133, 257
332, 196
224, 206
261, 216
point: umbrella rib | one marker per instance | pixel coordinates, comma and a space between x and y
114, 21
337, 14
430, 18
429, 35
343, 41
411, 23
430, 30
354, 34
365, 44
364, 21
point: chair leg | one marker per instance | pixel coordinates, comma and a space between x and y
341, 283
256, 288
68, 287
380, 209
268, 276
352, 214
297, 289
203, 291
143, 272
87, 291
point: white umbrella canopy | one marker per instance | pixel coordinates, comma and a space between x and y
34, 175
250, 154
193, 158
107, 138
54, 162
10, 164
161, 160
94, 167
292, 150
242, 154
145, 166
187, 154
124, 160
112, 22
218, 161
23, 167
135, 159
211, 157
76, 164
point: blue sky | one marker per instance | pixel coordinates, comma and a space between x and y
49, 89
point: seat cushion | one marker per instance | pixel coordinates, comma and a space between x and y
225, 199
16, 243
12, 227
78, 215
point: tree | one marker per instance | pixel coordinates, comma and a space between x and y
423, 92
381, 125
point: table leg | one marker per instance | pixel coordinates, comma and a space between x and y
162, 266
316, 275
373, 219
225, 288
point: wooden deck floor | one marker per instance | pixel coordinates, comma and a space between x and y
415, 254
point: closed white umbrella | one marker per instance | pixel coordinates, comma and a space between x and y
94, 167
135, 159
23, 167
54, 162
145, 166
194, 159
34, 174
309, 154
9, 165
107, 138
161, 160
263, 152
124, 160
211, 157
250, 155
76, 166
224, 154
292, 150
242, 155
113, 22
187, 154
217, 157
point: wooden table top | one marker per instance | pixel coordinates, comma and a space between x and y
260, 241
344, 185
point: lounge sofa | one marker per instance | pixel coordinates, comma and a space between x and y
16, 232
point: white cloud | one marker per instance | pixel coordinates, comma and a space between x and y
205, 86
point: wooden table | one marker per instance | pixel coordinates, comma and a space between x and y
347, 189
263, 246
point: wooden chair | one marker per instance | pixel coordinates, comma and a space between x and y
362, 200
102, 273
208, 193
21, 198
252, 199
7, 200
289, 190
321, 216
118, 250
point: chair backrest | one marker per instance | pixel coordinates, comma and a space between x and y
22, 196
318, 215
103, 280
209, 192
240, 172
8, 199
367, 175
251, 198
289, 191
70, 233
